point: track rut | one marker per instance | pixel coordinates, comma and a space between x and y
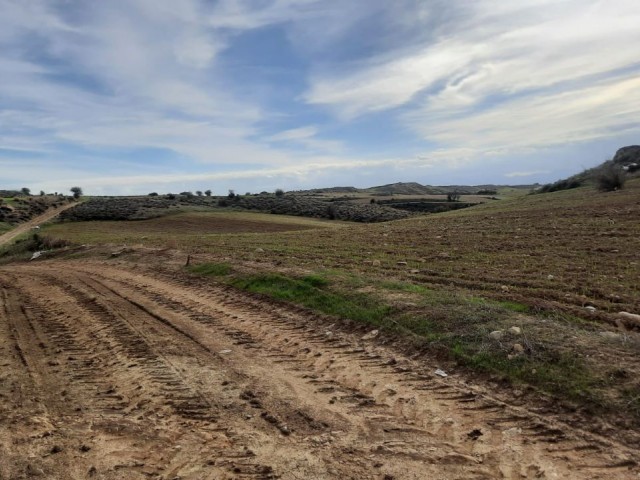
110, 373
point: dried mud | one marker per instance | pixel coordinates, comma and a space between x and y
117, 373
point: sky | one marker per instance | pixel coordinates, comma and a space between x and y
137, 96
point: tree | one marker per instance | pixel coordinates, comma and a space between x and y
279, 192
453, 196
207, 193
77, 192
153, 194
199, 193
26, 191
232, 194
42, 194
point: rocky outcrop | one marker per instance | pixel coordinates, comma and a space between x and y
626, 155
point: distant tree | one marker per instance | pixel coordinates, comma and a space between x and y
207, 193
171, 196
187, 194
153, 194
453, 196
199, 193
231, 194
42, 194
26, 191
279, 192
77, 192
247, 194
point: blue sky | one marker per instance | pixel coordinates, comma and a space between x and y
134, 96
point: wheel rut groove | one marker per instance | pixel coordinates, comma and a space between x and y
170, 376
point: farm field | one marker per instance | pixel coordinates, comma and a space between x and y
294, 348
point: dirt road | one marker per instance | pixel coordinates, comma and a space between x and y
25, 227
109, 373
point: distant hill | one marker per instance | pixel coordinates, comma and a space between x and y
408, 188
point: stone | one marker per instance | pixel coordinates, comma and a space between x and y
517, 349
259, 250
496, 335
375, 263
371, 335
630, 319
515, 330
591, 308
402, 264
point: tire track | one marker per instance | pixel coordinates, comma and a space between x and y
246, 312
278, 392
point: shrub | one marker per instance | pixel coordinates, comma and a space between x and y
279, 192
453, 197
610, 178
153, 194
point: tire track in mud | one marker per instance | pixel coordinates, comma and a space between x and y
274, 386
111, 376
507, 425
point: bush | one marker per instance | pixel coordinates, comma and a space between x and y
610, 178
560, 185
279, 192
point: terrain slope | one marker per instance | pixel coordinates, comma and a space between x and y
117, 374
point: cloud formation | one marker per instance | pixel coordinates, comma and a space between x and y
104, 92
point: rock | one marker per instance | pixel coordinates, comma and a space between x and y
441, 373
371, 335
550, 277
496, 335
375, 263
402, 264
630, 319
629, 154
517, 349
224, 352
591, 308
414, 271
504, 288
515, 330
259, 250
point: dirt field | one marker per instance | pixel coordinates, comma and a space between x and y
113, 374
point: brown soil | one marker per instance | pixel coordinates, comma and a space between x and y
114, 373
25, 227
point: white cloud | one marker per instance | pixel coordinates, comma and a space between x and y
525, 174
607, 109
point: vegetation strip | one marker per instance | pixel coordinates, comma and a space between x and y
456, 330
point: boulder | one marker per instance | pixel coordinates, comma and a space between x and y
629, 154
496, 335
515, 331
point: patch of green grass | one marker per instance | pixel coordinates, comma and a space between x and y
211, 269
311, 292
4, 227
559, 373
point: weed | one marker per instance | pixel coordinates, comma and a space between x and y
309, 292
211, 269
